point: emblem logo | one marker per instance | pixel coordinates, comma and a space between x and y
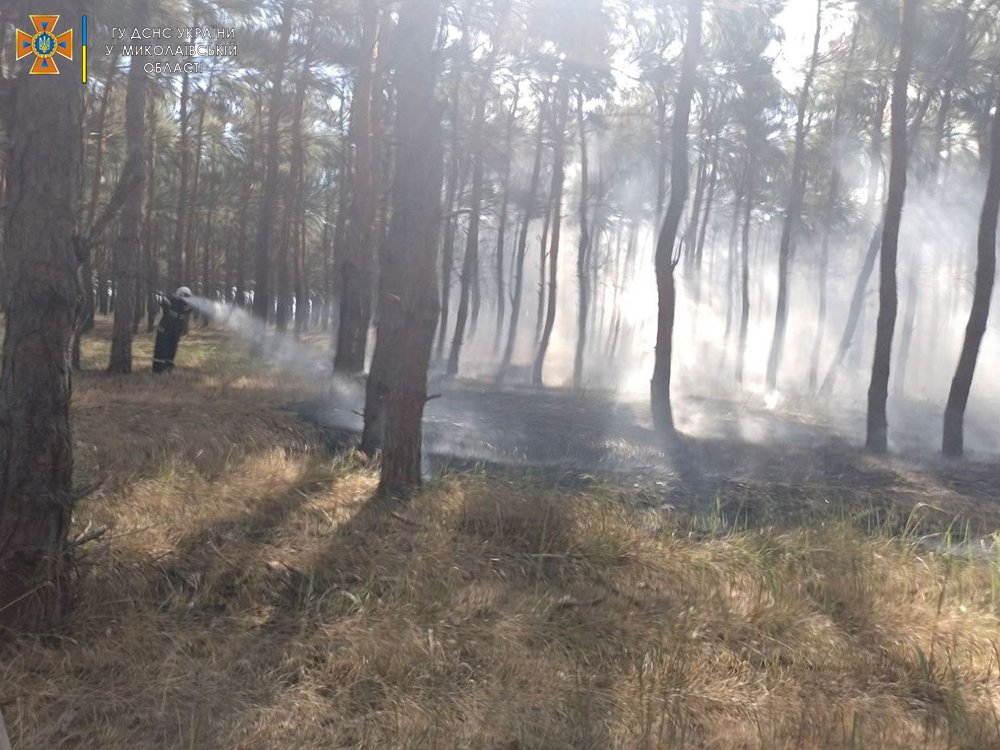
44, 44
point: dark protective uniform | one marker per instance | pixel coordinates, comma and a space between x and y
173, 325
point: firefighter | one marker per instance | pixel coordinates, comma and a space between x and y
173, 325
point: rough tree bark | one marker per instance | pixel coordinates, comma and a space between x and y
958, 397
36, 448
795, 198
409, 303
666, 261
129, 246
878, 390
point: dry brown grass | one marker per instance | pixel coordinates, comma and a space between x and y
248, 596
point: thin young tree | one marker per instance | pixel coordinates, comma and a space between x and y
470, 264
583, 250
522, 240
666, 259
795, 198
504, 213
986, 265
40, 255
558, 179
408, 297
878, 389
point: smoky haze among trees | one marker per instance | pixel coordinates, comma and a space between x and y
670, 199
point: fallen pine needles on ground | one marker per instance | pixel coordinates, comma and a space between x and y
247, 594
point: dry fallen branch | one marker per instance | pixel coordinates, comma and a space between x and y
88, 535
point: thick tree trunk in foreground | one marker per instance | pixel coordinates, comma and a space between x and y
409, 304
878, 390
36, 449
129, 245
268, 209
958, 397
558, 178
662, 411
357, 262
795, 198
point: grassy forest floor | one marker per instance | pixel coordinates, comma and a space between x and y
248, 596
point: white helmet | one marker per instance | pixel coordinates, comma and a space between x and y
183, 291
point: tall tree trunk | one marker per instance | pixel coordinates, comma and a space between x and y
85, 316
149, 233
262, 299
661, 142
468, 282
699, 250
583, 249
908, 328
175, 261
358, 259
282, 271
451, 192
731, 265
833, 192
666, 262
293, 207
871, 254
543, 254
741, 353
129, 246
36, 447
191, 234
795, 196
409, 304
878, 390
504, 213
691, 233
558, 178
522, 240
958, 397
245, 198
